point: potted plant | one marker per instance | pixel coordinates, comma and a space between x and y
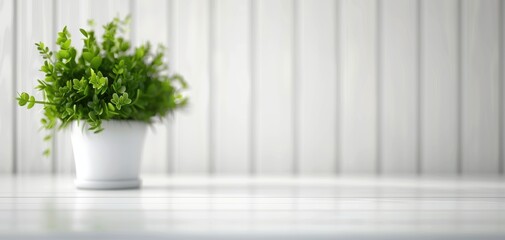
107, 93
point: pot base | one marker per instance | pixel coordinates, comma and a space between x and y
107, 185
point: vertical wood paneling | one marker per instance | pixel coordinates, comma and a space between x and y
153, 27
231, 85
502, 84
192, 60
104, 11
170, 140
399, 87
439, 86
317, 65
480, 46
295, 77
74, 15
274, 87
6, 85
35, 24
74, 18
359, 86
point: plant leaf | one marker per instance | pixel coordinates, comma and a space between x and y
83, 32
96, 62
31, 102
92, 84
87, 56
23, 99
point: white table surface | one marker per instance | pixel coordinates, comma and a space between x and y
49, 207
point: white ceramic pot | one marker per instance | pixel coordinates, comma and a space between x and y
109, 159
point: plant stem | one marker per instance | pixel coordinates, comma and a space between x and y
45, 103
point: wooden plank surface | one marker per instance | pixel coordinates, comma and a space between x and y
7, 102
191, 59
480, 76
35, 24
274, 87
439, 87
151, 23
266, 208
399, 79
359, 86
231, 86
317, 93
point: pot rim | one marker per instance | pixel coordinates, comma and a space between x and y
111, 121
83, 125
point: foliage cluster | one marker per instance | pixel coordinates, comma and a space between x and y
107, 80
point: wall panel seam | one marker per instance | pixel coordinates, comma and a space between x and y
459, 73
252, 107
296, 83
14, 86
500, 88
133, 24
420, 85
170, 118
211, 100
378, 167
338, 112
54, 32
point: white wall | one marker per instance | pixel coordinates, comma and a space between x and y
309, 87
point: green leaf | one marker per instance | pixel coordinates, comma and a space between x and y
66, 45
115, 98
124, 99
31, 102
23, 99
99, 83
91, 22
46, 152
178, 78
92, 116
96, 62
88, 56
76, 84
140, 53
83, 32
111, 107
48, 137
124, 46
63, 54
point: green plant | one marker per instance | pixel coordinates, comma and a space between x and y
108, 80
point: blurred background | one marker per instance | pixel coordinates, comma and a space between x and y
288, 87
